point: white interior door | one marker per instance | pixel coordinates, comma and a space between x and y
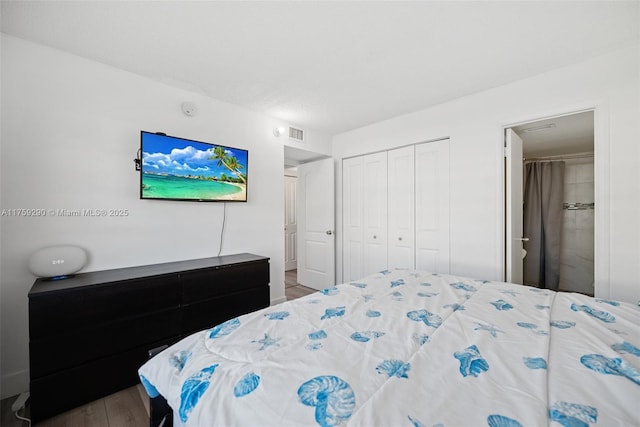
514, 200
401, 208
316, 224
432, 206
290, 224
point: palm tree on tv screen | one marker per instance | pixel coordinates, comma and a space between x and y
229, 162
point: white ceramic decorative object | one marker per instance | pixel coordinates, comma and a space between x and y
57, 261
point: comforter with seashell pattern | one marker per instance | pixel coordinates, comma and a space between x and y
410, 348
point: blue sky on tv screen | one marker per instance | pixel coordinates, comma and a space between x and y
175, 156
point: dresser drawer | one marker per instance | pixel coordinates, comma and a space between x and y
206, 284
65, 390
207, 314
76, 347
58, 313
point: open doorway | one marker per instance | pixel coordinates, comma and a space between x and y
300, 193
558, 220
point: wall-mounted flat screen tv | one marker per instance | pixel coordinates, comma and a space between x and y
175, 168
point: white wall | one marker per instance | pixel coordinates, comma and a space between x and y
475, 124
70, 131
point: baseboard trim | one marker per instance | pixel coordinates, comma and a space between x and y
278, 300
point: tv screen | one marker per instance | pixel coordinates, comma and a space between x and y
181, 169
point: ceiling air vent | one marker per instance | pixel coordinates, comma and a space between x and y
297, 134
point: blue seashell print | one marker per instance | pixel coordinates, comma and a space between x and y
610, 366
332, 397
613, 303
562, 324
420, 339
471, 362
510, 292
333, 312
425, 284
397, 296
489, 328
267, 341
313, 346
429, 319
463, 286
502, 305
427, 294
454, 306
542, 307
394, 368
618, 331
150, 388
313, 301
192, 390
330, 291
373, 313
626, 347
366, 335
179, 359
385, 272
224, 328
277, 315
246, 385
368, 297
318, 335
598, 314
415, 422
398, 282
359, 285
527, 325
535, 362
502, 421
573, 414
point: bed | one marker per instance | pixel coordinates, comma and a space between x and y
410, 348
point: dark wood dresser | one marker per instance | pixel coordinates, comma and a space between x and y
89, 334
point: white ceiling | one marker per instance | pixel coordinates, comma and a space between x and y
558, 136
329, 66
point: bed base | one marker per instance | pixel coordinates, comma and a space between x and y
161, 413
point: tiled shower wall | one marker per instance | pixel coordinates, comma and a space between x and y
577, 245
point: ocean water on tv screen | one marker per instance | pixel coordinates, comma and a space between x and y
175, 187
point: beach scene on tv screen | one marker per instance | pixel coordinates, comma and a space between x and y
174, 168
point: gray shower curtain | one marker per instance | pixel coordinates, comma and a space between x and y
543, 197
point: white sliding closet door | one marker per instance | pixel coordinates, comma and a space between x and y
364, 215
352, 219
374, 190
401, 199
432, 206
396, 210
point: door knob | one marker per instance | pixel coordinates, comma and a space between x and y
523, 239
329, 232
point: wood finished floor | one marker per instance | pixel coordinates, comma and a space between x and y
126, 408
